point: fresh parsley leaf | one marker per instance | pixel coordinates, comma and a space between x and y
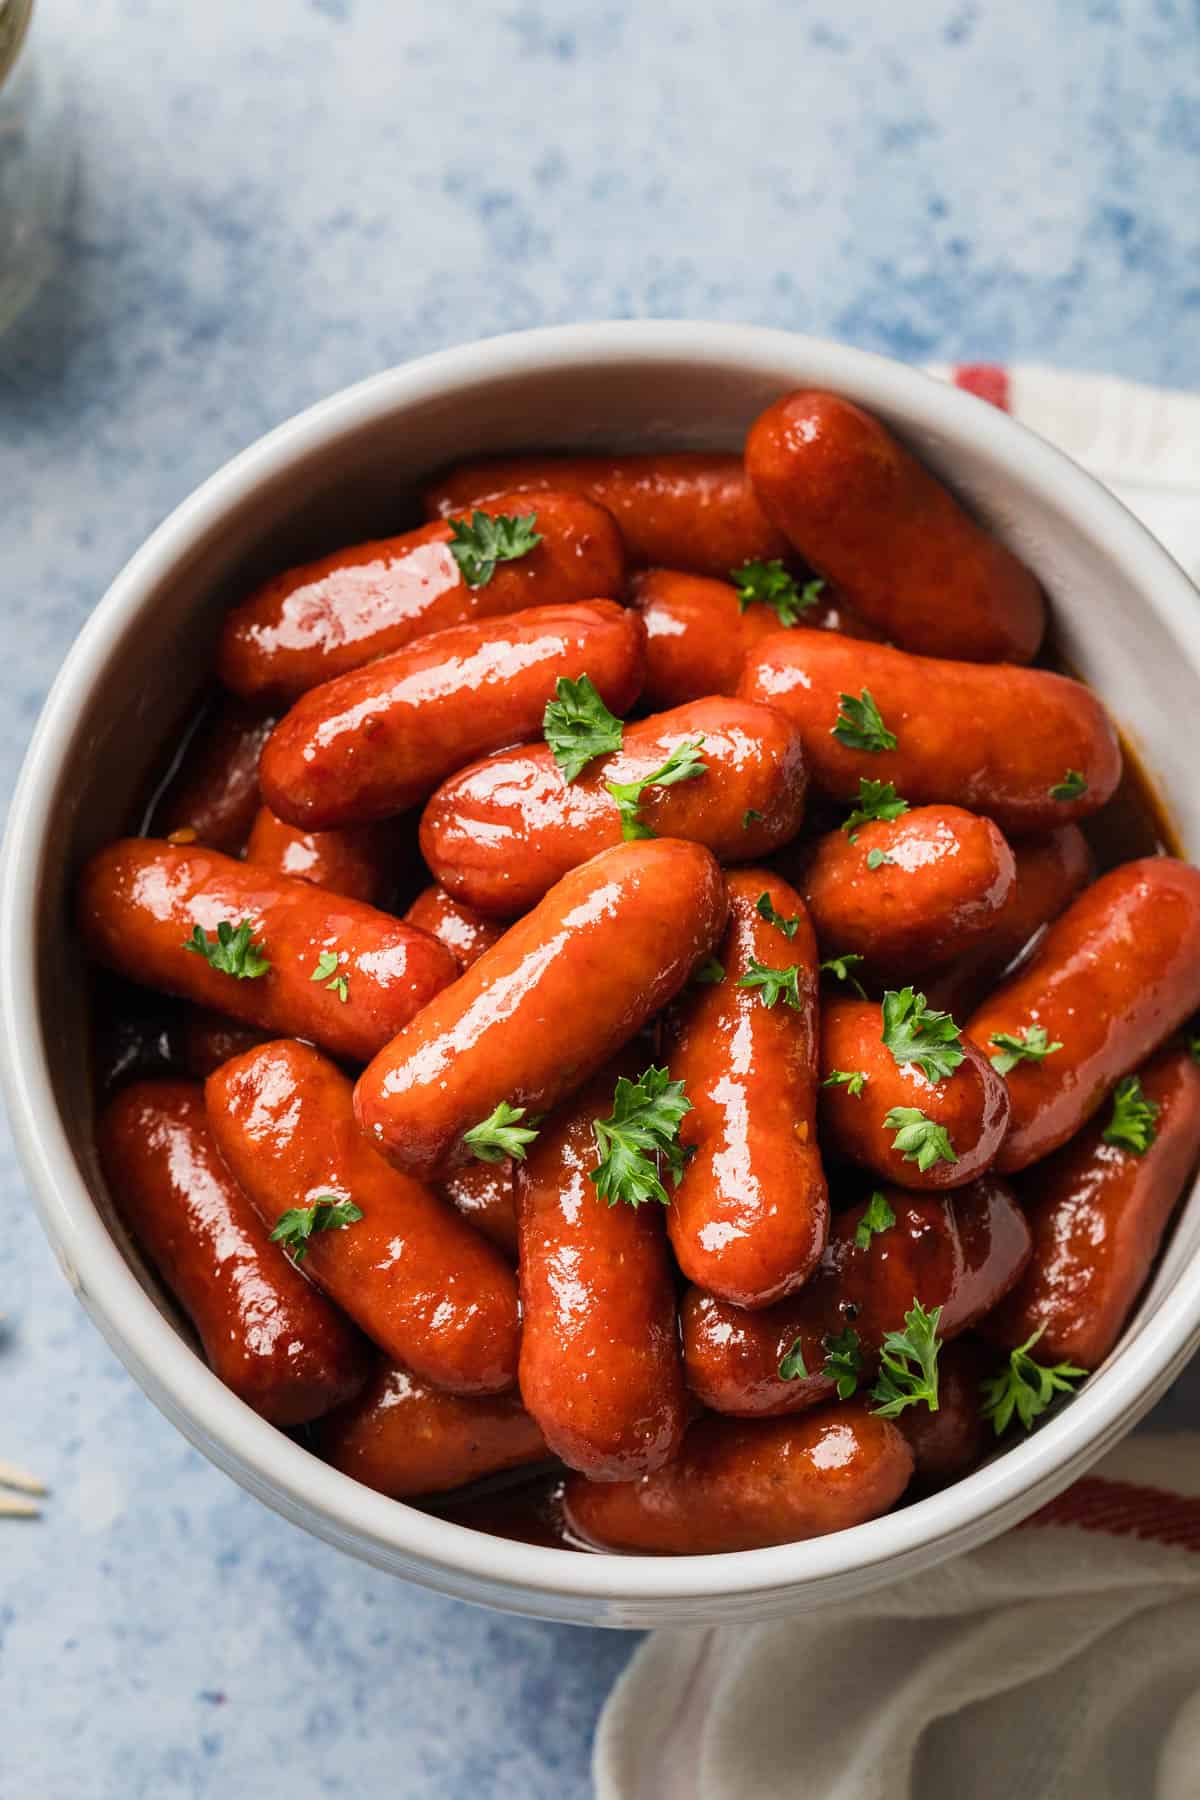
765, 910
683, 764
326, 971
908, 1371
1070, 787
501, 1134
710, 972
578, 726
843, 1360
792, 1367
1026, 1387
859, 725
1030, 1044
876, 858
919, 1138
770, 584
328, 1212
1193, 1045
231, 952
774, 983
853, 1080
840, 966
641, 1135
479, 543
914, 1032
878, 1217
750, 817
876, 800
1132, 1125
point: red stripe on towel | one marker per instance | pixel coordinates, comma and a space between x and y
988, 381
1124, 1509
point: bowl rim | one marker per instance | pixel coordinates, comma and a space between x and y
265, 1460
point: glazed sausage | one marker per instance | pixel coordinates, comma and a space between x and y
690, 510
600, 1368
945, 878
381, 738
207, 1039
995, 740
744, 1484
548, 1005
971, 1105
962, 1252
424, 1286
697, 633
465, 933
267, 1333
140, 901
503, 831
1098, 1213
866, 513
350, 861
484, 1193
316, 621
949, 1443
213, 792
1050, 871
750, 1217
1113, 977
403, 1438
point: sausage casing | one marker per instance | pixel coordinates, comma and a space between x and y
465, 933
214, 790
350, 861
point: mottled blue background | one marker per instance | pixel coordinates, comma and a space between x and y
274, 199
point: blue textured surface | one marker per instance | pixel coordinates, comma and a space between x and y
278, 198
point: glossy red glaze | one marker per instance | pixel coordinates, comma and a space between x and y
740, 1485
530, 1513
267, 1333
962, 1253
465, 933
425, 1287
750, 1217
349, 861
208, 1039
949, 1443
379, 739
214, 790
484, 1193
994, 739
1113, 977
316, 621
1098, 1213
503, 831
548, 1004
863, 511
140, 900
971, 1104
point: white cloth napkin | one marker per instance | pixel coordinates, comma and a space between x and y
1061, 1662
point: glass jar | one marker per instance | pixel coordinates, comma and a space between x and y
35, 160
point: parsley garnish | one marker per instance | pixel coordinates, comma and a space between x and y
878, 1217
328, 1212
641, 1134
1132, 1124
914, 1032
843, 1360
578, 726
1030, 1044
765, 910
908, 1371
876, 858
486, 539
231, 952
1070, 787
683, 764
750, 817
792, 1367
1193, 1045
327, 971
919, 1138
770, 584
853, 1080
710, 972
1026, 1387
876, 800
859, 725
774, 983
501, 1134
840, 966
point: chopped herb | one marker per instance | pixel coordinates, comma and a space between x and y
878, 1217
877, 858
774, 983
1070, 787
859, 725
876, 800
328, 1212
1025, 1387
920, 1140
486, 539
1030, 1044
750, 817
915, 1032
232, 951
769, 584
908, 1371
501, 1134
710, 972
1132, 1125
853, 1080
578, 726
843, 1361
1193, 1045
792, 1367
683, 764
765, 910
326, 971
641, 1134
840, 966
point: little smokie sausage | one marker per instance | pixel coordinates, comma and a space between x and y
741, 1485
1098, 1211
1029, 749
485, 1194
424, 1286
465, 933
267, 1333
600, 1368
949, 1443
403, 1438
962, 1253
547, 1005
380, 738
966, 1112
1113, 977
142, 900
214, 791
501, 832
906, 894
207, 1039
351, 861
749, 1219
866, 513
693, 509
314, 622
698, 632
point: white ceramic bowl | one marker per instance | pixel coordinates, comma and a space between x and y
1128, 620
